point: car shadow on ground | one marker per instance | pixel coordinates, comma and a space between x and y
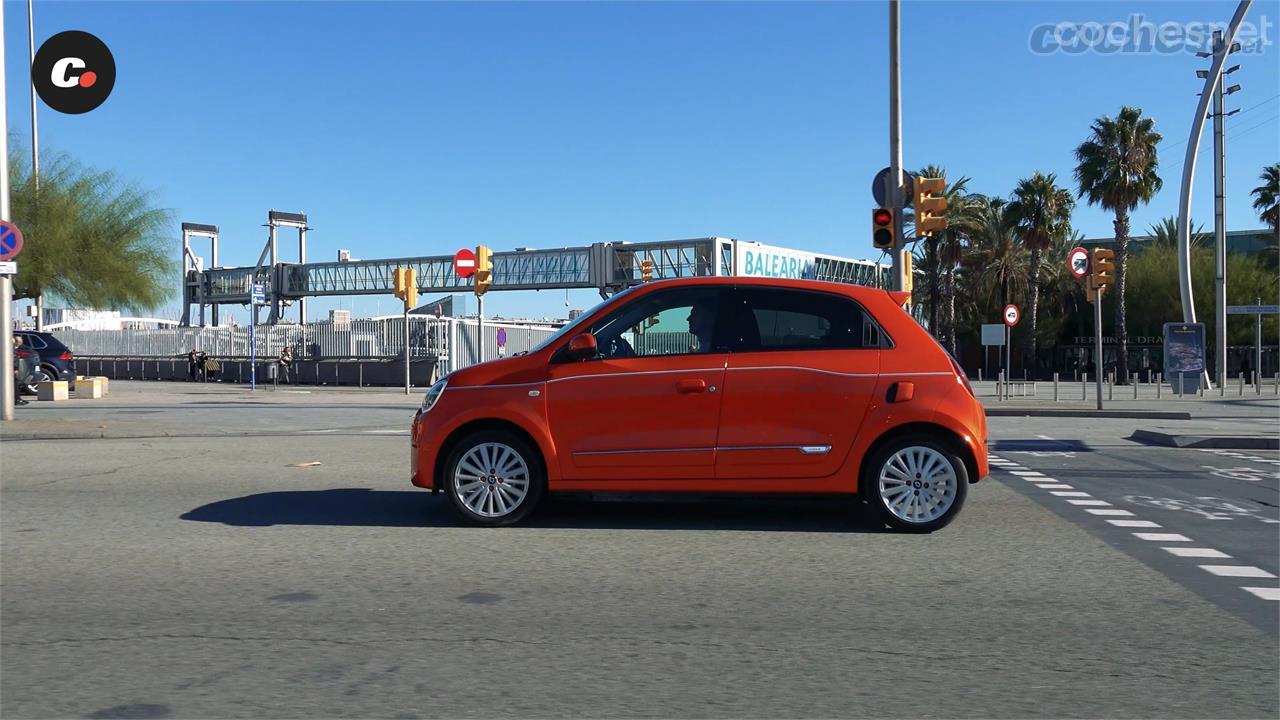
400, 508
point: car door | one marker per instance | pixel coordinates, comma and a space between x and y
648, 406
799, 381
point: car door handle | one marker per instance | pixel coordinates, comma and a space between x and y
691, 386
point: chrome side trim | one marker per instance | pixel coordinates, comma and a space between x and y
804, 449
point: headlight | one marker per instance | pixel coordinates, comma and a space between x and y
433, 394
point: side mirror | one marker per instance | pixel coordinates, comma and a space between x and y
582, 346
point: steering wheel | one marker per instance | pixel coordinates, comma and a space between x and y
619, 348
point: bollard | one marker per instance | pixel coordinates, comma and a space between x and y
1084, 386
1159, 385
1199, 386
1257, 383
1136, 380
1241, 384
1275, 388
361, 374
1055, 387
1111, 386
1000, 385
1182, 385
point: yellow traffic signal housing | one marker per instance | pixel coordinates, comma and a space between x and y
1090, 292
1104, 267
908, 279
410, 288
646, 270
930, 205
484, 269
398, 282
882, 229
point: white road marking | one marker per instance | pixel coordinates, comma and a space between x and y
1089, 502
330, 430
1265, 593
1069, 493
1135, 523
1157, 537
1237, 571
1110, 511
386, 432
1056, 486
1196, 552
1027, 473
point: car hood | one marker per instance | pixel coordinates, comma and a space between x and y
505, 371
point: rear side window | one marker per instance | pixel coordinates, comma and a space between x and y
782, 319
35, 342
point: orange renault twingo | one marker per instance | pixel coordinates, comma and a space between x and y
728, 384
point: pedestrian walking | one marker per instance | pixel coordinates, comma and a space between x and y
22, 369
285, 361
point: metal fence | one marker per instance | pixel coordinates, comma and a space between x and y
454, 342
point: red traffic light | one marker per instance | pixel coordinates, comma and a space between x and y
881, 217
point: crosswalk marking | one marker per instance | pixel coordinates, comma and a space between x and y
1237, 571
1195, 552
1156, 537
1266, 593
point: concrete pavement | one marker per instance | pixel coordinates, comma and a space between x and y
182, 566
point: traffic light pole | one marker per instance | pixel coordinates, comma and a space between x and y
406, 348
480, 328
8, 388
894, 195
1097, 342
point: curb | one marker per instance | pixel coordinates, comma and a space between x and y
1152, 437
1062, 412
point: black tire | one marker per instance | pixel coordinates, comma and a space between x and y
893, 505
37, 376
513, 460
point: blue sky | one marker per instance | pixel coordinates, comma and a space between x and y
417, 128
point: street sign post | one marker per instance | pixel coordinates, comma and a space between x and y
502, 341
10, 240
1257, 310
1079, 263
1011, 317
464, 263
257, 296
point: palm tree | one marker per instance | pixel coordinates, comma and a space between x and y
1266, 197
1266, 200
1117, 170
1043, 214
1165, 233
996, 257
941, 253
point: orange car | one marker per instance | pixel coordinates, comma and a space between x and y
727, 384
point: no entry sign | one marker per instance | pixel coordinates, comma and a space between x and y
1078, 262
464, 263
1011, 315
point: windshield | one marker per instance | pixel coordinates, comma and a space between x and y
567, 329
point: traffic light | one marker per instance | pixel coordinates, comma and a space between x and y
930, 205
909, 278
646, 270
398, 282
484, 269
882, 229
1104, 268
410, 288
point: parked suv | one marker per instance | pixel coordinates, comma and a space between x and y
57, 362
708, 385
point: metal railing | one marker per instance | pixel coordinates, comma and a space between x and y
454, 342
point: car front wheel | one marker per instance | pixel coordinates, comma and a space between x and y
916, 483
493, 478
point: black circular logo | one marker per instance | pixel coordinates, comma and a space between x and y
73, 72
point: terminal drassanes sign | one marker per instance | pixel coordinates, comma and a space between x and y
757, 260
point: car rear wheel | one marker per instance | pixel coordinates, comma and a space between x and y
916, 483
493, 478
35, 378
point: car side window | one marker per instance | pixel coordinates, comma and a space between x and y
766, 319
682, 321
34, 342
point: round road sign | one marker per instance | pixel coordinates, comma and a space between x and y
1078, 262
1011, 315
464, 263
10, 241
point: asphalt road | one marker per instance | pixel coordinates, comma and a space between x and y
181, 566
